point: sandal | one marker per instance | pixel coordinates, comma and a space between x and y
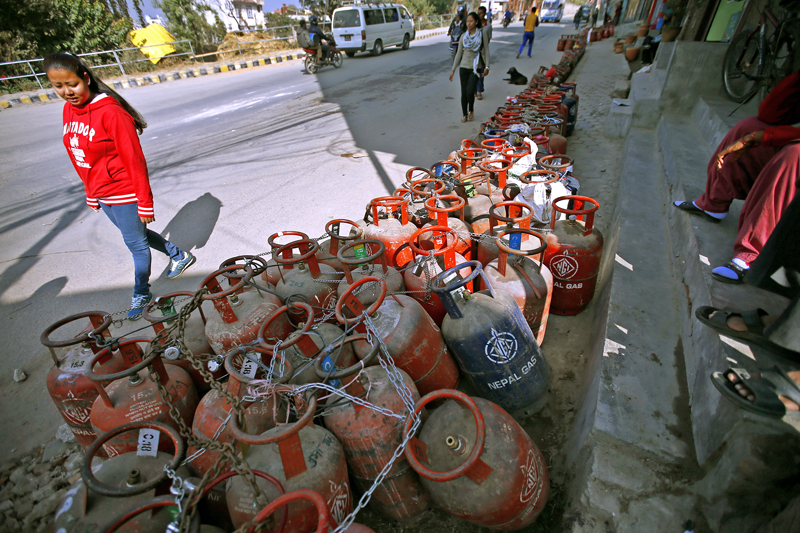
471, 115
464, 119
763, 387
752, 320
692, 209
479, 96
730, 273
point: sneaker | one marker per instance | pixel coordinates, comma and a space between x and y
517, 56
177, 266
138, 303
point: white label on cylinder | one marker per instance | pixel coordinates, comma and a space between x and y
148, 442
249, 368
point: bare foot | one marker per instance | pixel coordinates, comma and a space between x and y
747, 393
736, 322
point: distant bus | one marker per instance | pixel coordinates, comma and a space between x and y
552, 11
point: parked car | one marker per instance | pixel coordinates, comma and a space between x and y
552, 11
372, 27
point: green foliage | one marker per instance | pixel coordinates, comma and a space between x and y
278, 19
320, 7
186, 20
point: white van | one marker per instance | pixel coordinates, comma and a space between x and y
367, 26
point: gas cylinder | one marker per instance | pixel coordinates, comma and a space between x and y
574, 249
443, 242
440, 208
394, 230
256, 263
557, 142
273, 273
330, 247
300, 455
493, 344
561, 43
359, 261
494, 146
418, 191
237, 317
309, 280
109, 489
194, 337
410, 336
370, 438
478, 205
497, 169
523, 277
213, 412
479, 464
325, 521
69, 388
570, 101
133, 396
303, 346
515, 215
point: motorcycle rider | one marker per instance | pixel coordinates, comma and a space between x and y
319, 39
458, 26
507, 18
304, 39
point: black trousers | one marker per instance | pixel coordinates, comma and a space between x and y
469, 81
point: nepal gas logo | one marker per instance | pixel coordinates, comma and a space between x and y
339, 503
564, 266
501, 347
531, 485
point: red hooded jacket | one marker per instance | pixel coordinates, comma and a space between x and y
104, 148
780, 109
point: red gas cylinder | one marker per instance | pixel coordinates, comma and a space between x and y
329, 248
513, 153
514, 215
303, 346
259, 268
273, 273
213, 507
325, 522
574, 249
123, 481
215, 409
194, 337
237, 317
370, 438
359, 261
443, 242
478, 205
561, 44
494, 146
556, 163
497, 170
418, 192
470, 157
410, 334
523, 277
306, 456
309, 280
440, 208
479, 464
393, 231
69, 388
133, 396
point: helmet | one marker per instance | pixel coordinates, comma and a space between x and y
462, 9
313, 19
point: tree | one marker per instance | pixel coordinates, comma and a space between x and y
186, 20
227, 7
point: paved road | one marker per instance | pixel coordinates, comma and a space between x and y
233, 158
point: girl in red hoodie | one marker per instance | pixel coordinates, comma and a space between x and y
100, 134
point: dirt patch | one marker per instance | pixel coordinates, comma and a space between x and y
250, 44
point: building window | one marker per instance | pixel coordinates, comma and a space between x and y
249, 12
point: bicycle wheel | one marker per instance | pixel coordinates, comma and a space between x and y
784, 59
740, 66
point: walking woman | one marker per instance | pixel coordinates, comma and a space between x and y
472, 60
100, 134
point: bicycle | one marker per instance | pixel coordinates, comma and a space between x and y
755, 62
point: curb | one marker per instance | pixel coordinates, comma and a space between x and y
51, 96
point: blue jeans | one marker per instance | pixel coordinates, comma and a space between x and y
527, 37
139, 240
479, 88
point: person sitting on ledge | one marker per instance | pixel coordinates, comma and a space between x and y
758, 162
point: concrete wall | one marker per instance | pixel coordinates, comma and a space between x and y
695, 70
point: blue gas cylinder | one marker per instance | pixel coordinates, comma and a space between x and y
492, 342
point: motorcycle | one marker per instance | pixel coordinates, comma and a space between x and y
506, 21
335, 57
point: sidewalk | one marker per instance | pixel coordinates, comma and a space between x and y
198, 69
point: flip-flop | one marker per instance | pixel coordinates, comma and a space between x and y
765, 388
755, 328
479, 97
730, 273
692, 209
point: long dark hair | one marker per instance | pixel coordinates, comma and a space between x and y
477, 19
66, 61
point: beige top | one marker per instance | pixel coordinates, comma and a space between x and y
466, 58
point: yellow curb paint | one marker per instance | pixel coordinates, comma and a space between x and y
183, 74
196, 72
5, 104
224, 68
237, 66
25, 100
249, 64
126, 85
140, 81
155, 79
44, 98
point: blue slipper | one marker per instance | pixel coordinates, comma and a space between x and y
730, 273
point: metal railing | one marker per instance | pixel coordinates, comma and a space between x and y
118, 63
429, 22
289, 33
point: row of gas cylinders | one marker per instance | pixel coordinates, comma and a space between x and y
456, 279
